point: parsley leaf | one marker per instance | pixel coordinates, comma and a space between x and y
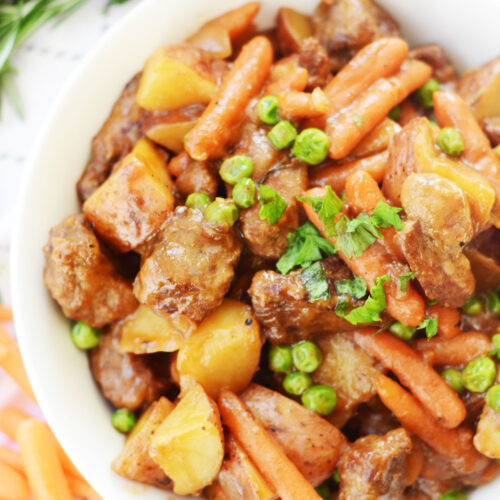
430, 325
272, 204
341, 308
385, 216
355, 288
358, 120
374, 305
404, 280
354, 236
315, 282
431, 303
305, 246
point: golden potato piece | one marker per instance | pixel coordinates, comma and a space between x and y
224, 352
309, 441
145, 332
134, 461
487, 438
132, 204
213, 38
171, 135
189, 444
239, 478
292, 28
169, 84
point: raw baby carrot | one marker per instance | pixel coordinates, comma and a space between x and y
269, 458
438, 398
297, 105
448, 320
215, 126
13, 485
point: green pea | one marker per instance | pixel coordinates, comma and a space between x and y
493, 398
426, 91
297, 383
280, 358
85, 336
473, 306
311, 146
454, 378
479, 374
245, 193
222, 211
453, 495
450, 141
323, 490
306, 356
496, 340
198, 200
269, 111
394, 113
123, 420
321, 399
336, 476
235, 168
494, 302
402, 331
282, 134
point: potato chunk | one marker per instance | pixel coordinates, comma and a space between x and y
132, 204
189, 444
224, 352
145, 332
487, 438
292, 29
167, 83
134, 461
309, 441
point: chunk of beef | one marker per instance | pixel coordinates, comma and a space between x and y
262, 238
345, 26
433, 239
374, 467
312, 56
435, 56
116, 138
483, 253
198, 177
81, 278
285, 311
491, 127
127, 380
190, 268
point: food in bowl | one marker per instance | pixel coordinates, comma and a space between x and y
286, 270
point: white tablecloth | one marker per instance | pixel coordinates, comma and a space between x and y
44, 62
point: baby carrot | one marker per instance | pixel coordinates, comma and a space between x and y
11, 458
336, 175
297, 105
439, 399
348, 127
238, 20
377, 140
43, 469
13, 485
408, 111
414, 462
178, 164
275, 466
295, 78
455, 351
213, 130
5, 314
453, 443
81, 489
448, 320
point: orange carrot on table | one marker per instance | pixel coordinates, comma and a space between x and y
336, 175
438, 398
295, 78
81, 489
347, 128
13, 485
275, 466
5, 314
452, 111
456, 351
11, 458
448, 319
238, 20
12, 362
407, 307
43, 469
297, 105
453, 443
208, 138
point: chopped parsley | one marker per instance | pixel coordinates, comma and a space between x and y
430, 325
272, 204
354, 236
357, 119
305, 246
327, 209
404, 280
315, 282
355, 288
374, 305
385, 216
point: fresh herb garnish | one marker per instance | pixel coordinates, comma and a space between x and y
315, 282
305, 246
272, 204
430, 325
354, 236
355, 288
384, 216
404, 280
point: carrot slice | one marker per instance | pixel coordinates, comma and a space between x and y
270, 459
215, 126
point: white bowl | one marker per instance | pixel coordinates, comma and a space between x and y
59, 373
